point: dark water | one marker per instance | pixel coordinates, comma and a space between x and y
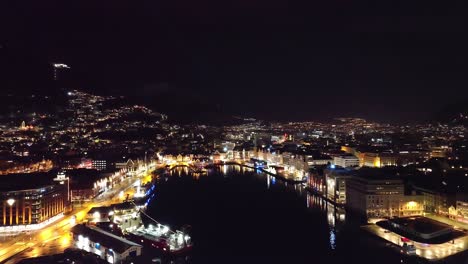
238, 216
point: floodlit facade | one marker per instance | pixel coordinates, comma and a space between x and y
99, 165
377, 160
346, 161
375, 197
27, 209
336, 179
412, 205
462, 208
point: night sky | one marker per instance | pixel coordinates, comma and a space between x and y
297, 60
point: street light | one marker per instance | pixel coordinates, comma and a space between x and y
10, 202
146, 166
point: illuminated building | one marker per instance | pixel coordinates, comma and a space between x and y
128, 165
99, 164
378, 160
31, 167
336, 183
439, 152
216, 157
107, 246
228, 148
25, 201
57, 68
318, 160
412, 205
375, 195
86, 164
99, 214
86, 184
346, 161
23, 126
462, 208
316, 182
435, 198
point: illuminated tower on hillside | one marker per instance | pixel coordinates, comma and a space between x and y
58, 67
23, 125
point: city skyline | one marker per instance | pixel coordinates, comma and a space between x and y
96, 159
207, 132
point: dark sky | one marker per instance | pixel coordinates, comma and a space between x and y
385, 60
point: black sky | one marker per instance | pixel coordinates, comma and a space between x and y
384, 60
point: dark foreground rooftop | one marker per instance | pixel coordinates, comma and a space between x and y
106, 239
421, 224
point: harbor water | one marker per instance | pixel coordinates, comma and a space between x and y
237, 215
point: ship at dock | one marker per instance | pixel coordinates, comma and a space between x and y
159, 237
130, 221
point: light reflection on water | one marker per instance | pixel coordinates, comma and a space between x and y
336, 216
322, 231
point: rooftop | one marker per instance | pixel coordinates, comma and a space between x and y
421, 224
340, 171
378, 174
100, 209
106, 239
17, 182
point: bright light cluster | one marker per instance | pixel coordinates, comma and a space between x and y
61, 66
